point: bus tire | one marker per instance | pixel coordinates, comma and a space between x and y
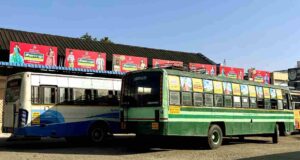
215, 137
275, 135
241, 138
98, 133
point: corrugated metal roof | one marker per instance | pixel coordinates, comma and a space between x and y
7, 35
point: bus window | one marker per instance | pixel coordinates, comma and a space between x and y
174, 98
198, 99
236, 101
253, 102
280, 104
186, 98
34, 94
218, 100
13, 90
245, 102
267, 104
228, 101
273, 104
142, 90
260, 103
49, 95
208, 99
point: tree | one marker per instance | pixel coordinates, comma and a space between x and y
105, 40
88, 37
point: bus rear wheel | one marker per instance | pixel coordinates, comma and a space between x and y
275, 135
98, 134
215, 137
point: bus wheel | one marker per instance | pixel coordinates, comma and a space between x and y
97, 133
275, 135
215, 137
241, 138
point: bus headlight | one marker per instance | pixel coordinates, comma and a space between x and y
23, 117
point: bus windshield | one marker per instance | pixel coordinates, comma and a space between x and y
13, 90
142, 90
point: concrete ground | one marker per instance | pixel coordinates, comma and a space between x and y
126, 147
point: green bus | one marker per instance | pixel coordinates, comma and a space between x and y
170, 102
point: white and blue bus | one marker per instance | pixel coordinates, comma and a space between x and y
55, 105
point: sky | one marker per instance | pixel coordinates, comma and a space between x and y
264, 34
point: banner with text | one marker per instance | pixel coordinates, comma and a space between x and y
203, 68
160, 63
231, 72
259, 76
123, 63
32, 54
85, 59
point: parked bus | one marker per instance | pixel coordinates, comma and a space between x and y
296, 105
55, 105
171, 102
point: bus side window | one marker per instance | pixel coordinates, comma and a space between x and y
198, 99
209, 100
49, 95
174, 98
274, 104
186, 98
245, 102
228, 101
260, 103
218, 100
236, 101
267, 104
280, 104
35, 95
253, 103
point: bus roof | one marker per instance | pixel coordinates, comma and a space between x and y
205, 76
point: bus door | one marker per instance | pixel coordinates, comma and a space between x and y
141, 100
12, 105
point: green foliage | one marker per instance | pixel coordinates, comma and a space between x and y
88, 37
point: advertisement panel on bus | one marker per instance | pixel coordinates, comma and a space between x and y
203, 68
231, 72
123, 63
259, 76
160, 63
25, 53
85, 59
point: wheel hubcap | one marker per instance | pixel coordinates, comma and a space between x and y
215, 137
97, 135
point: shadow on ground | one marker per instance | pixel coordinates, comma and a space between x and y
119, 145
281, 156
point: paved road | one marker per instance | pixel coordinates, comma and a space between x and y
125, 147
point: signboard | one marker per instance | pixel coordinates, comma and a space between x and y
273, 93
197, 85
208, 86
259, 76
259, 92
236, 89
186, 84
25, 53
159, 63
203, 68
279, 94
227, 88
244, 90
85, 59
231, 72
266, 92
218, 89
174, 84
123, 63
252, 91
